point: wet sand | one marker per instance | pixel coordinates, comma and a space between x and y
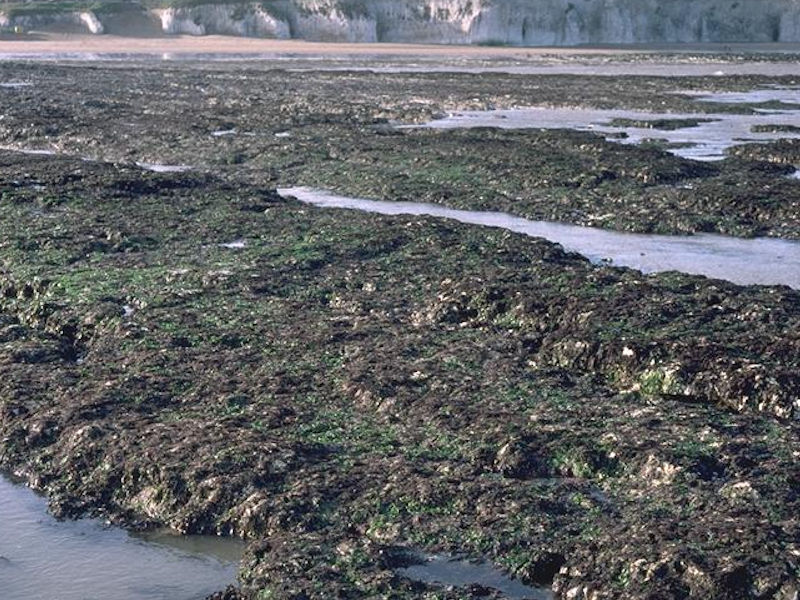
676, 60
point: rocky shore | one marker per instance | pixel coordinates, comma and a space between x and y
345, 390
336, 130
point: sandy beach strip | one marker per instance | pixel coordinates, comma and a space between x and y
218, 44
52, 43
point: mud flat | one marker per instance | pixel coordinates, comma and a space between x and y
346, 391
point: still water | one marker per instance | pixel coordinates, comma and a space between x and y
745, 261
445, 570
708, 140
42, 558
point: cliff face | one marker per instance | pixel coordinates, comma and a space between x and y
249, 20
516, 22
85, 21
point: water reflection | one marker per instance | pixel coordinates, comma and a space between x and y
450, 571
708, 139
42, 558
745, 261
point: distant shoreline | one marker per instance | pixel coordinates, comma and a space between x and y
53, 43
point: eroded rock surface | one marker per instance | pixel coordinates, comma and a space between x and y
343, 390
345, 384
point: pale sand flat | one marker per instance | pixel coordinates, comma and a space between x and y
52, 43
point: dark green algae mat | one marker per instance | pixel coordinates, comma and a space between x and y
341, 389
335, 130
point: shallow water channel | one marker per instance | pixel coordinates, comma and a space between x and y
451, 571
161, 168
745, 261
708, 139
42, 558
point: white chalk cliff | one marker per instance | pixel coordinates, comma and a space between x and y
84, 21
515, 22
